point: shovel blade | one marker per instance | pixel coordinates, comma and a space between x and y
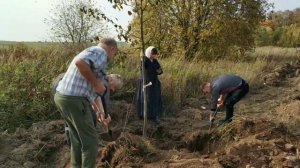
211, 124
111, 135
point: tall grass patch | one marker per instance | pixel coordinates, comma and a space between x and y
182, 79
26, 75
276, 54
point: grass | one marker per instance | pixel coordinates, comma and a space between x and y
7, 44
38, 45
277, 54
26, 74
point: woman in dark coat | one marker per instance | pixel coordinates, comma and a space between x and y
154, 101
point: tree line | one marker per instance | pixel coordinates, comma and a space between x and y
200, 29
280, 28
194, 29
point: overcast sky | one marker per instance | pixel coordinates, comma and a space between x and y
23, 20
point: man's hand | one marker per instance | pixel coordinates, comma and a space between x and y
100, 116
107, 120
220, 105
159, 71
221, 101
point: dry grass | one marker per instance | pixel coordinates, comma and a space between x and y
277, 54
180, 80
289, 113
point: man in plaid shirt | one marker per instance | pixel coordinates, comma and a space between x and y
79, 87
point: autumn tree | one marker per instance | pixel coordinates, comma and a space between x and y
209, 29
281, 28
70, 24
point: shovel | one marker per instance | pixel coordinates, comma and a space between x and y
111, 135
212, 121
210, 128
109, 131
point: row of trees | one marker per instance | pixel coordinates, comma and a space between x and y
198, 29
281, 28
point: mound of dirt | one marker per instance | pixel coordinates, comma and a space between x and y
245, 143
289, 112
271, 153
35, 147
196, 141
267, 145
128, 151
281, 72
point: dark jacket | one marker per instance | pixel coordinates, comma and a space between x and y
154, 98
152, 70
224, 84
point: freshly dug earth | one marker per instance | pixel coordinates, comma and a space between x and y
259, 136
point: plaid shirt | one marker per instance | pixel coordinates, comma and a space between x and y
74, 84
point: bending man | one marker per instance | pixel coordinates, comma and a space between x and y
76, 92
226, 90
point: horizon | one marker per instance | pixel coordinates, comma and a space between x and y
24, 26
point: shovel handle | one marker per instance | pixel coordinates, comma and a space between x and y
109, 131
212, 121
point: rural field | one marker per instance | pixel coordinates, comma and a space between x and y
264, 132
177, 46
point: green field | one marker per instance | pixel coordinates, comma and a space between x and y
6, 44
39, 44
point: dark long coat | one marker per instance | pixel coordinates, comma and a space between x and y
154, 98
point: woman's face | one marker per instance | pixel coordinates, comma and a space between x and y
153, 56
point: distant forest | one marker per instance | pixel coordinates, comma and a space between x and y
280, 28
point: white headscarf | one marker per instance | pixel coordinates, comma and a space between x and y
148, 51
